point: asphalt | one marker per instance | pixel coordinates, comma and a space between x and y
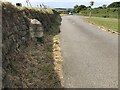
90, 55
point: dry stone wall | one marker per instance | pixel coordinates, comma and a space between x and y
16, 32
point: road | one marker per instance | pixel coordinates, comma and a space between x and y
90, 55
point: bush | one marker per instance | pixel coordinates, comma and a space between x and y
114, 5
109, 12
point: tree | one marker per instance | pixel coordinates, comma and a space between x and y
77, 8
82, 7
69, 10
91, 4
100, 7
104, 6
114, 5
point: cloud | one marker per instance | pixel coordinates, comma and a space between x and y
60, 1
64, 3
43, 0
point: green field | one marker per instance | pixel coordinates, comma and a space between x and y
107, 23
106, 13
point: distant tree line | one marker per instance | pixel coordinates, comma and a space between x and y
114, 5
106, 11
78, 8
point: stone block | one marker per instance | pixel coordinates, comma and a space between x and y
36, 28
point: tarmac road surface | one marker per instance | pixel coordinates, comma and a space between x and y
90, 55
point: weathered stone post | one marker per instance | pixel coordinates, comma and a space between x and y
36, 30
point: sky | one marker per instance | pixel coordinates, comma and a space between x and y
63, 3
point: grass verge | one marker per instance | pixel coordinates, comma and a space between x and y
63, 15
107, 23
57, 57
